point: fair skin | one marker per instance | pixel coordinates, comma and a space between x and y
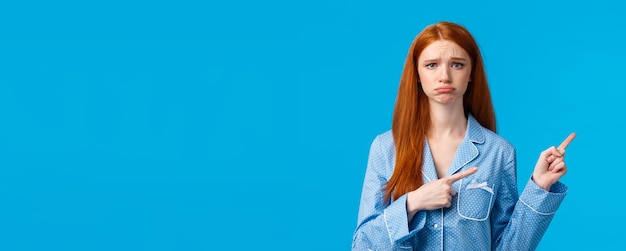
444, 71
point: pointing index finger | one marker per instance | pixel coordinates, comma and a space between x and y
457, 176
566, 142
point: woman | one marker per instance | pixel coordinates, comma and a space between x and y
442, 179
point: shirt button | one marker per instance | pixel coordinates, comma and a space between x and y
435, 226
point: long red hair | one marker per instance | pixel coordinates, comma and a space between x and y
411, 117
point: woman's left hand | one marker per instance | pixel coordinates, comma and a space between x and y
551, 165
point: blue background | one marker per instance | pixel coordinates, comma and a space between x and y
246, 124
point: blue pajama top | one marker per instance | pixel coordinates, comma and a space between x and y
486, 212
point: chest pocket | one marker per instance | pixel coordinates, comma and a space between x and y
474, 200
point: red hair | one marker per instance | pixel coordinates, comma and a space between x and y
411, 117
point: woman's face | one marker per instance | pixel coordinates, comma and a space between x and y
444, 70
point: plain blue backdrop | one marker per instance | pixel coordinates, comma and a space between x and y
245, 125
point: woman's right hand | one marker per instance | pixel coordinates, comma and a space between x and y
434, 194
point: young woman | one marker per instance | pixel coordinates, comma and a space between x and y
441, 178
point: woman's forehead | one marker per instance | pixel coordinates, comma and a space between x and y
441, 49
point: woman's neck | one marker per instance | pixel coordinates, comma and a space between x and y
447, 121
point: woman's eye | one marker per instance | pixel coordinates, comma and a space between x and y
457, 65
431, 65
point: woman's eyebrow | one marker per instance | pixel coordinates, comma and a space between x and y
437, 59
430, 60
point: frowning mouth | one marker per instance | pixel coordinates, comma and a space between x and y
445, 89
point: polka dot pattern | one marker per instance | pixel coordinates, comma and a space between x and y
486, 212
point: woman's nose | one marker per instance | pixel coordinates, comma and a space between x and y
444, 75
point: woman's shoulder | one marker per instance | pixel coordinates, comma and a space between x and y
385, 138
496, 140
382, 153
482, 135
383, 142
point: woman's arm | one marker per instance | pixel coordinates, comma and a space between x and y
382, 225
520, 223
